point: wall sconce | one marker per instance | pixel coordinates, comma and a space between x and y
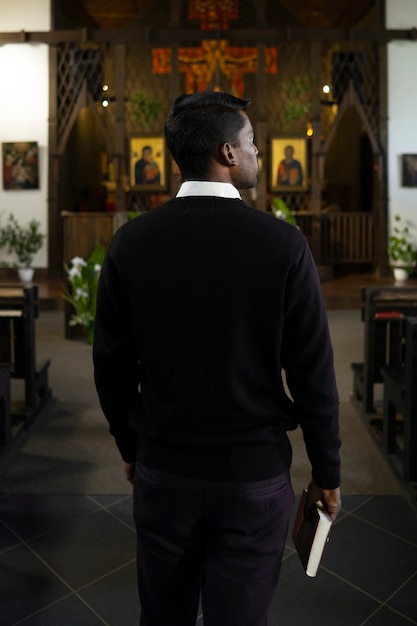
105, 100
327, 92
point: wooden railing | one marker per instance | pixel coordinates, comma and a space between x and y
341, 237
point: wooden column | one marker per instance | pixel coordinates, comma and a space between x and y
316, 179
120, 157
54, 220
175, 177
261, 128
380, 208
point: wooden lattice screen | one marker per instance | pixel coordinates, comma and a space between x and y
79, 67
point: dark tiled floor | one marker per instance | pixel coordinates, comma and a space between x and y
69, 560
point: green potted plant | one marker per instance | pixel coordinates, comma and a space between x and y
145, 108
83, 276
23, 242
402, 252
281, 210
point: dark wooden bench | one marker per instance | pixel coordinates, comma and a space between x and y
19, 308
382, 309
400, 399
5, 415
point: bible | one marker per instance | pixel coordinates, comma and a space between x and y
310, 533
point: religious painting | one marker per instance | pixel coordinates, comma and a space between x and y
288, 164
147, 163
20, 165
409, 170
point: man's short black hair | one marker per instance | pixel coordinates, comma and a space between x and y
198, 124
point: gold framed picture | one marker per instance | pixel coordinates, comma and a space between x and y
147, 163
288, 161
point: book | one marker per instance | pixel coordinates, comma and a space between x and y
310, 533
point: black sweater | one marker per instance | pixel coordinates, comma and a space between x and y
202, 303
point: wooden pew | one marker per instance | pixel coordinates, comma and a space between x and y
400, 397
19, 308
381, 311
5, 415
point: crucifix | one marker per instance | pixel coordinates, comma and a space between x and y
203, 65
214, 61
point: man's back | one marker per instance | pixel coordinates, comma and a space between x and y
207, 281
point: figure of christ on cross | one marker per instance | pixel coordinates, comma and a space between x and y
200, 64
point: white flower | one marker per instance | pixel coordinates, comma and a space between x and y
74, 272
80, 293
97, 268
78, 261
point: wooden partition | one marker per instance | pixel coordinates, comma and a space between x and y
344, 237
82, 231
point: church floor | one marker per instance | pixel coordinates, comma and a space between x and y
67, 560
67, 541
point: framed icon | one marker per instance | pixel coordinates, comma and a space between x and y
288, 159
148, 163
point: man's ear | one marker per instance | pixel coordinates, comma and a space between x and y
228, 154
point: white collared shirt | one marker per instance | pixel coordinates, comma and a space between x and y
208, 188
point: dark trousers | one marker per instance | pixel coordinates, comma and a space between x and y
225, 540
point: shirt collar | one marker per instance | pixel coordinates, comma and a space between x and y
208, 188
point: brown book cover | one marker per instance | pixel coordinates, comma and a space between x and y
310, 533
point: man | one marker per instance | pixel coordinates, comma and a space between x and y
201, 303
289, 169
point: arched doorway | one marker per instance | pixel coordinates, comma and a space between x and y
351, 184
83, 166
348, 170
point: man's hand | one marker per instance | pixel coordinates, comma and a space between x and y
330, 498
130, 472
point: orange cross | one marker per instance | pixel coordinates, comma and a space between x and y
200, 64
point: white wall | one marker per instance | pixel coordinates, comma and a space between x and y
402, 110
24, 108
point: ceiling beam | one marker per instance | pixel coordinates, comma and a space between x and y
191, 36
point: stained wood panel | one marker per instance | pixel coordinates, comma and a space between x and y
81, 233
